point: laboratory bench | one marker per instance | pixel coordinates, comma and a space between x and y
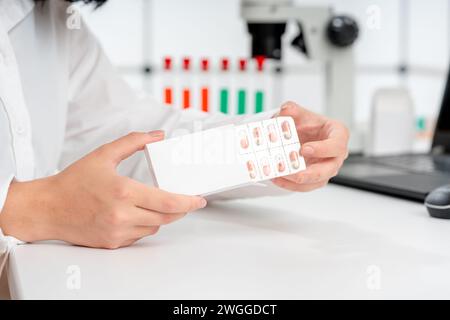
331, 243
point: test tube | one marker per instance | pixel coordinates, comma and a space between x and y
224, 86
241, 93
259, 93
167, 87
204, 90
186, 91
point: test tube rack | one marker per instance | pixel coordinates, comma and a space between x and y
243, 88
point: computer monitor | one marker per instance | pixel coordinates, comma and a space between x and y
441, 141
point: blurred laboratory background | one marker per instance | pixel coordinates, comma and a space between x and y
163, 47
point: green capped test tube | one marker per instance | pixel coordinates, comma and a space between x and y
242, 97
242, 93
259, 101
224, 101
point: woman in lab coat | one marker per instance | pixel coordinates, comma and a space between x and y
65, 123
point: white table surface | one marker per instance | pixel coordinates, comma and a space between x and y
331, 243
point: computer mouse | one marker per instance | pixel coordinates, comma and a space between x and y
438, 203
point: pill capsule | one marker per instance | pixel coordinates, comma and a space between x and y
273, 137
251, 169
257, 136
266, 167
293, 157
280, 164
243, 139
286, 129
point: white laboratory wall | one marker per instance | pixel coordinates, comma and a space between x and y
199, 28
408, 32
118, 25
427, 41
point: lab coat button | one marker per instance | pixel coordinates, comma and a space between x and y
20, 129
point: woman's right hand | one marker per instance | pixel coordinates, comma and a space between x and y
89, 204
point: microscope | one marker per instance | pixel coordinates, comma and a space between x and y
322, 36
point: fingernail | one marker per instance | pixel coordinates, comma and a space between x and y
203, 202
156, 133
287, 105
307, 151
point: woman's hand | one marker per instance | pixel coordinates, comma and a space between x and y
89, 204
324, 147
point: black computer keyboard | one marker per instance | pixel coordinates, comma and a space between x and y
415, 163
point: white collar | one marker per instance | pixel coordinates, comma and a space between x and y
14, 11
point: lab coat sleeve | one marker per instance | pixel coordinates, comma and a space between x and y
102, 108
7, 243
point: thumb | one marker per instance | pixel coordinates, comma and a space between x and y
290, 109
133, 142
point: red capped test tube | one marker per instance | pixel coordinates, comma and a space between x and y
204, 90
167, 89
186, 91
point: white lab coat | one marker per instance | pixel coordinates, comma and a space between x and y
60, 98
